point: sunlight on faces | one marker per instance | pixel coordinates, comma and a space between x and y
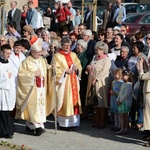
118, 40
36, 54
79, 48
99, 52
6, 53
123, 53
66, 47
135, 50
17, 49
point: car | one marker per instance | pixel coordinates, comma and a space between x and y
43, 5
145, 7
136, 7
134, 21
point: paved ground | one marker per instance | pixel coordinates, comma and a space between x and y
84, 137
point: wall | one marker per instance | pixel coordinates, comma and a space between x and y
20, 3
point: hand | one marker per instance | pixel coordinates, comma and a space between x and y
89, 68
94, 81
69, 71
9, 74
112, 92
37, 73
74, 68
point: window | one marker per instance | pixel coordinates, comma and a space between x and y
145, 19
131, 18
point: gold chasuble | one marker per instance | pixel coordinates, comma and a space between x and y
32, 102
67, 86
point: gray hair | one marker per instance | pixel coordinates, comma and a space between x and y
47, 33
102, 46
65, 40
82, 43
88, 33
4, 37
13, 38
126, 48
56, 43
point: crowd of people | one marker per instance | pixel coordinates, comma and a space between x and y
53, 67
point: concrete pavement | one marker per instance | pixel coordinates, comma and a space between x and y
84, 137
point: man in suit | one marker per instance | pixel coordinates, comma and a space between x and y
15, 15
88, 19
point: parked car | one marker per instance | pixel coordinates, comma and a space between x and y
135, 21
136, 7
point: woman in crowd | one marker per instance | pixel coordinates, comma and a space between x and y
23, 17
73, 38
148, 44
46, 36
98, 71
82, 55
28, 32
3, 40
102, 35
137, 49
118, 42
145, 76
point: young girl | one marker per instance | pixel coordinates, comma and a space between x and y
116, 84
125, 101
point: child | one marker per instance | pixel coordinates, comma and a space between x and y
125, 101
116, 84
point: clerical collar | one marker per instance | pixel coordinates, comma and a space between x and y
3, 60
17, 55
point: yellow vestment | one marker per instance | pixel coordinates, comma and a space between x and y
64, 88
33, 104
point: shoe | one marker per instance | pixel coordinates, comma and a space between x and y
138, 126
39, 131
95, 125
101, 127
29, 130
146, 138
121, 132
8, 136
114, 128
66, 128
117, 129
146, 144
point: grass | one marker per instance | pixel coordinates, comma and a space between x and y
4, 145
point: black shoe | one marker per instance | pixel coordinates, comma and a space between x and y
146, 138
29, 130
65, 128
8, 136
39, 131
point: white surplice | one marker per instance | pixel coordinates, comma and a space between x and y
15, 61
7, 88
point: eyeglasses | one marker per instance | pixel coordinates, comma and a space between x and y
101, 34
148, 38
64, 34
66, 44
2, 40
24, 30
80, 29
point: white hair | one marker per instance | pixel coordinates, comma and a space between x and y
88, 33
82, 43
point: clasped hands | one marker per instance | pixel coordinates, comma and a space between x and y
71, 70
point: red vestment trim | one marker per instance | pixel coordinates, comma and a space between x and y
73, 81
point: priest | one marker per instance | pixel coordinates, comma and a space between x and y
68, 72
32, 103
